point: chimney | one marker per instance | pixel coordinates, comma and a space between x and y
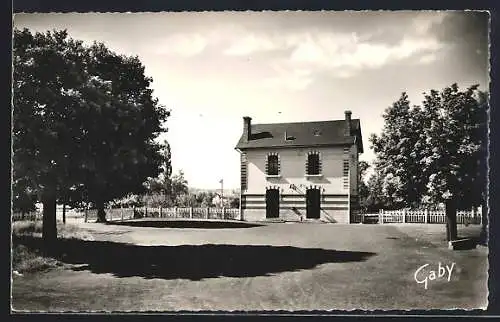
247, 127
348, 123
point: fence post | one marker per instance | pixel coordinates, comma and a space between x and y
121, 211
175, 212
208, 211
404, 216
191, 212
161, 215
223, 212
480, 214
381, 216
426, 213
86, 212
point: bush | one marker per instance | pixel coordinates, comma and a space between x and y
26, 227
138, 214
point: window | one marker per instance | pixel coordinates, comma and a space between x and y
273, 165
313, 166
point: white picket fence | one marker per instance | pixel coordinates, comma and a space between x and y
424, 216
114, 214
33, 216
37, 215
473, 217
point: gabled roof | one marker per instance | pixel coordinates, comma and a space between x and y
320, 133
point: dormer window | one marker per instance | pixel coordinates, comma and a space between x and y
273, 164
313, 165
289, 137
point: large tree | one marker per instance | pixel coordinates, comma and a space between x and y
455, 153
84, 119
46, 67
397, 148
435, 152
123, 111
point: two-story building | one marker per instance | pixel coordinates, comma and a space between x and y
300, 171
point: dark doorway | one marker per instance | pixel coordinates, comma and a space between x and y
313, 203
272, 203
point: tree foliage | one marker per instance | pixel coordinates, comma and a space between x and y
397, 149
84, 119
434, 153
178, 187
166, 189
363, 190
234, 202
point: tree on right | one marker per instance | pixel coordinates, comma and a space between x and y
436, 153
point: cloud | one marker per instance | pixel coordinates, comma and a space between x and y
343, 54
250, 44
338, 55
427, 59
186, 44
326, 52
298, 79
335, 52
424, 22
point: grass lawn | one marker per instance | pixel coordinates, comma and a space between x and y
268, 267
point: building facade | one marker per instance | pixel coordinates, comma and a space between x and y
300, 171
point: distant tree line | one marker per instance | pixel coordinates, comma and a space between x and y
174, 191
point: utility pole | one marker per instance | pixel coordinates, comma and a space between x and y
222, 192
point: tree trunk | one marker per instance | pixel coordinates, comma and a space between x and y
64, 213
49, 226
451, 220
101, 213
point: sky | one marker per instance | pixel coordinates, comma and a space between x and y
212, 68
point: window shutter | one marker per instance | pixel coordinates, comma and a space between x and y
267, 164
345, 173
243, 170
307, 164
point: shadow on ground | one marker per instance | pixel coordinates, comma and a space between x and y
204, 224
193, 262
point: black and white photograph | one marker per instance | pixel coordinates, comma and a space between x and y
250, 161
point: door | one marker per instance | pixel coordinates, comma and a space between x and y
313, 203
272, 203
